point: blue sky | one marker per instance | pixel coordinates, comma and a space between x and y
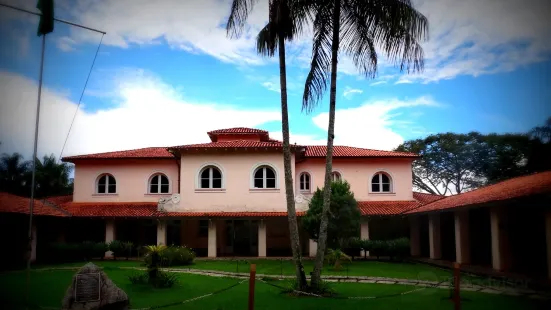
166, 74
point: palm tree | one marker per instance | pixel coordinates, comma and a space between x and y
356, 27
284, 22
52, 178
12, 173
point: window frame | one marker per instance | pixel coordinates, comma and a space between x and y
159, 186
210, 168
254, 170
305, 173
337, 172
107, 175
380, 183
200, 170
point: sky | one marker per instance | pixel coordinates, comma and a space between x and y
166, 73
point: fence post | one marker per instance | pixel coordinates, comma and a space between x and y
456, 284
252, 278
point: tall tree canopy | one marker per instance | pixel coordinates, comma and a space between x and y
52, 177
454, 163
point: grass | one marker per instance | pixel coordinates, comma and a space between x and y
287, 267
49, 287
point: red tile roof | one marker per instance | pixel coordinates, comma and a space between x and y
386, 207
348, 151
238, 130
539, 183
149, 153
111, 209
425, 198
237, 144
15, 204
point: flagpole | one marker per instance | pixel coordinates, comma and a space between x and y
31, 203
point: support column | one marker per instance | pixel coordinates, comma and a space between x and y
462, 246
161, 232
364, 233
414, 236
548, 241
434, 236
312, 248
212, 238
109, 234
33, 243
262, 238
499, 239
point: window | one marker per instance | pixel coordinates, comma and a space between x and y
335, 176
210, 177
264, 177
380, 183
203, 228
158, 184
304, 180
106, 185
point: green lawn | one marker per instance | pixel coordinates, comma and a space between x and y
48, 289
286, 267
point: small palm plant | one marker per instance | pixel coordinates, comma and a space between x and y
336, 258
153, 260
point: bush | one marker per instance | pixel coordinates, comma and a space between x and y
177, 256
138, 278
336, 258
164, 280
117, 247
100, 248
127, 248
87, 250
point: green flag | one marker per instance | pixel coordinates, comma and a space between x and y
46, 24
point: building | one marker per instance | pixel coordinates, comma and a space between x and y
225, 197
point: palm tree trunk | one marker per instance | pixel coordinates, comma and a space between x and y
322, 238
289, 193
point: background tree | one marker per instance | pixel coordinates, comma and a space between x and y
454, 163
344, 216
12, 173
285, 20
356, 28
52, 177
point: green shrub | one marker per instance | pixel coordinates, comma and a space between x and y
100, 248
336, 258
177, 256
164, 280
138, 278
127, 248
87, 250
117, 248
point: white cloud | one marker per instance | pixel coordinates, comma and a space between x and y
350, 92
193, 26
272, 86
378, 83
371, 124
66, 44
149, 113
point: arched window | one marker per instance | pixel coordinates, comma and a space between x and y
106, 184
381, 183
158, 184
335, 176
264, 177
210, 177
304, 181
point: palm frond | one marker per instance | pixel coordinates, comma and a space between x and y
357, 41
266, 41
397, 27
239, 13
316, 81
